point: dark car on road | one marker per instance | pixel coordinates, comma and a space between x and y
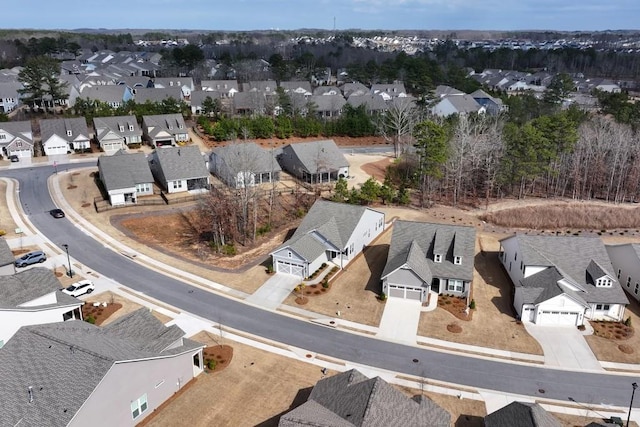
14, 158
30, 258
57, 213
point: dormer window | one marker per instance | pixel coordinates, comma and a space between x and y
69, 133
131, 128
457, 260
437, 258
121, 128
603, 282
180, 126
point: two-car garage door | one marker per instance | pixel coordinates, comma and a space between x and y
399, 291
290, 268
567, 318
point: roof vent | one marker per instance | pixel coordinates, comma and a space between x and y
30, 391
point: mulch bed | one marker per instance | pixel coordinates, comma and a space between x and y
612, 330
221, 354
100, 314
627, 349
454, 328
302, 300
456, 306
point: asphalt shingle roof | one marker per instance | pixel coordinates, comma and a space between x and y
124, 170
26, 286
447, 240
20, 129
104, 125
574, 258
172, 124
181, 162
248, 156
521, 414
6, 256
316, 155
351, 399
59, 127
64, 362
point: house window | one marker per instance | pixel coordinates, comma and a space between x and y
121, 128
3, 136
635, 291
457, 260
619, 272
628, 281
455, 285
139, 406
437, 258
131, 128
522, 266
177, 184
515, 257
289, 254
69, 133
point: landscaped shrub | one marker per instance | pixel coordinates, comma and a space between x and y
324, 264
229, 250
90, 319
269, 268
263, 229
627, 322
3, 232
472, 304
211, 364
325, 283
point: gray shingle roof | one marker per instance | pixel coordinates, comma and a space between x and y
154, 95
572, 257
124, 170
521, 414
331, 103
64, 362
60, 127
447, 240
111, 94
351, 399
317, 155
20, 129
104, 125
181, 162
248, 156
6, 256
28, 285
139, 326
154, 124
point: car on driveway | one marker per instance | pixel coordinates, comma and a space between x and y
13, 158
30, 258
80, 288
57, 213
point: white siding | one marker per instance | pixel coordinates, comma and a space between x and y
12, 320
624, 259
55, 145
367, 229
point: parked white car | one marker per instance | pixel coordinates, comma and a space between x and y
80, 288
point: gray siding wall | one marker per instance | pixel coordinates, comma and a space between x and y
405, 277
110, 403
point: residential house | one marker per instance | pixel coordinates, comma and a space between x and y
33, 297
330, 232
299, 87
179, 169
492, 105
373, 104
198, 97
562, 280
9, 97
427, 257
78, 374
315, 162
184, 83
604, 85
626, 265
6, 259
267, 87
389, 91
244, 165
116, 133
125, 177
16, 138
354, 89
62, 136
164, 129
226, 88
327, 106
457, 104
114, 95
351, 399
327, 90
521, 414
157, 95
443, 91
250, 103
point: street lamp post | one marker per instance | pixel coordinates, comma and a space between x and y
66, 248
634, 386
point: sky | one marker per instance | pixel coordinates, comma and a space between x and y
570, 15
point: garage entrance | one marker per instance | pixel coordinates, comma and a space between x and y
399, 291
290, 268
564, 318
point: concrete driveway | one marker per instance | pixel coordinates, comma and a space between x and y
400, 320
274, 291
564, 347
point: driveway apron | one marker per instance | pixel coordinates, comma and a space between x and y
400, 320
274, 291
564, 347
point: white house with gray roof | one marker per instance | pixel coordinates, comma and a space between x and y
457, 104
114, 95
427, 257
244, 165
314, 162
179, 169
162, 130
33, 297
9, 96
352, 399
78, 374
125, 177
116, 133
16, 138
62, 136
330, 232
562, 280
626, 264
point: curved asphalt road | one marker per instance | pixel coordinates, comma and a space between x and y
487, 374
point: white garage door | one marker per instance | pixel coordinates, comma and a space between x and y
399, 291
289, 268
565, 318
23, 154
52, 151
